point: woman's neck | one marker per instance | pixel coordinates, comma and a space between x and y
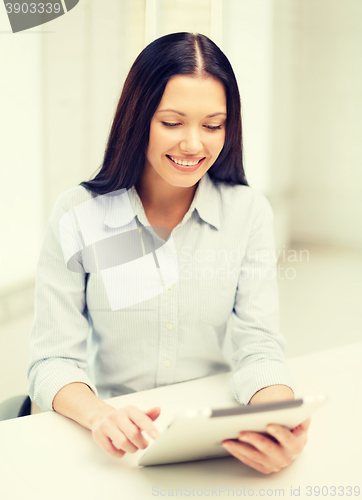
158, 196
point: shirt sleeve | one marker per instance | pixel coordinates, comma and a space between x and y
60, 326
258, 347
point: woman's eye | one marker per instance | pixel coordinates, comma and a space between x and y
168, 124
209, 127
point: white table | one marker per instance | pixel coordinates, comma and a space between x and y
49, 456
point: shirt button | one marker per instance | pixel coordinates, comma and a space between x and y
170, 287
175, 251
167, 362
169, 326
140, 230
197, 225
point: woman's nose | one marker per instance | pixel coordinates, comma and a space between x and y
191, 142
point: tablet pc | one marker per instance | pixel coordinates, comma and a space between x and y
198, 434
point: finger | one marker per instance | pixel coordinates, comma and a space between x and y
282, 434
237, 453
262, 443
154, 413
293, 445
142, 421
118, 438
301, 428
106, 444
123, 444
128, 436
246, 450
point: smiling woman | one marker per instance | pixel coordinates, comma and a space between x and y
173, 161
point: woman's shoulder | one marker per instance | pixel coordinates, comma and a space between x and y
73, 197
68, 200
243, 198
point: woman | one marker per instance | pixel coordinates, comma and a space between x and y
108, 323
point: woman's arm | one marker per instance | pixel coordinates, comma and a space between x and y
78, 402
261, 373
272, 393
60, 328
258, 345
115, 431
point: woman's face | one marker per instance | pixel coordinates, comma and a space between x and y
187, 131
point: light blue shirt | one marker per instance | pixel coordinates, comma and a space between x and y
205, 302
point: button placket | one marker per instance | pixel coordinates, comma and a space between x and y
168, 332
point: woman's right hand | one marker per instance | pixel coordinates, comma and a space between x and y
120, 431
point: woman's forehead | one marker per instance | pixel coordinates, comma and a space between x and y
185, 92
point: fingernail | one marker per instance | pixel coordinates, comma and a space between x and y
154, 434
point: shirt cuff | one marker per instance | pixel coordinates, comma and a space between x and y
50, 379
248, 380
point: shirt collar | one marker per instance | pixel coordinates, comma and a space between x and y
207, 201
124, 205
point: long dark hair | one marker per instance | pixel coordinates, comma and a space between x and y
174, 54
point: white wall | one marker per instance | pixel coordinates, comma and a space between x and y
257, 38
248, 43
21, 160
299, 67
327, 198
84, 67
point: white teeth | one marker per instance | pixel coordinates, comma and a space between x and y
184, 162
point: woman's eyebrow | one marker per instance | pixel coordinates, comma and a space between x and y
183, 114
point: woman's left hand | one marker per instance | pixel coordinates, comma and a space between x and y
263, 453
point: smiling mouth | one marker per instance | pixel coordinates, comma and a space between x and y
185, 163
